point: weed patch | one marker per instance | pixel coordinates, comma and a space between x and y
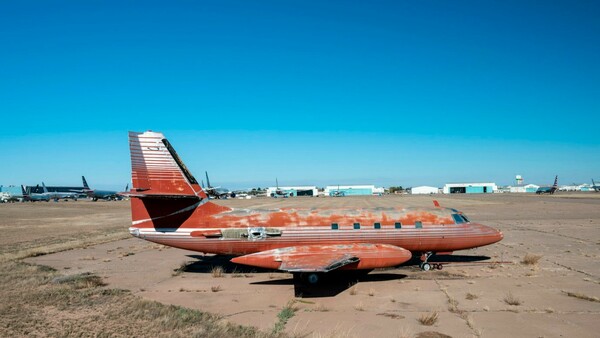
428, 319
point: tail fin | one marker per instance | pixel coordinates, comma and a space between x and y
156, 169
207, 180
44, 187
85, 184
164, 193
555, 181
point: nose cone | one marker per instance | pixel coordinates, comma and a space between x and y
490, 235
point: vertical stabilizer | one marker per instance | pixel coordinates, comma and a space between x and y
156, 168
85, 184
556, 182
164, 193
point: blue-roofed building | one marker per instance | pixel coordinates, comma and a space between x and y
353, 190
470, 188
11, 189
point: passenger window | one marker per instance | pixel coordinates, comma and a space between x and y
356, 225
418, 224
377, 226
398, 225
334, 226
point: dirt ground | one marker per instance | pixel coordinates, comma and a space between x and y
555, 297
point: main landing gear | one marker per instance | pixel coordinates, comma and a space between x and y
311, 278
426, 266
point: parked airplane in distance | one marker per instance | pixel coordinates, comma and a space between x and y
95, 195
56, 195
169, 207
279, 192
337, 193
595, 186
216, 192
35, 197
548, 190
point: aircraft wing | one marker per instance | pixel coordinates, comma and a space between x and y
325, 258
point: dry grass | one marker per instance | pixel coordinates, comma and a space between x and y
359, 307
216, 288
38, 301
321, 308
353, 290
236, 274
471, 296
405, 333
391, 315
371, 292
510, 299
180, 269
428, 319
80, 281
40, 248
217, 272
531, 259
581, 296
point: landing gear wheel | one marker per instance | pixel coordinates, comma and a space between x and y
312, 278
440, 266
425, 266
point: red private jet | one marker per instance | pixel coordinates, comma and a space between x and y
169, 207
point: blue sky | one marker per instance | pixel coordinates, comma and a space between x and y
385, 92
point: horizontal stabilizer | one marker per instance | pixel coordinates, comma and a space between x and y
158, 196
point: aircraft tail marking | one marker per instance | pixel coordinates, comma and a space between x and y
85, 184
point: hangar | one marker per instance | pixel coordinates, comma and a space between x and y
470, 188
354, 190
524, 188
293, 191
13, 190
424, 190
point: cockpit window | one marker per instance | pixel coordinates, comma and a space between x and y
458, 219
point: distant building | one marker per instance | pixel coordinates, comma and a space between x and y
576, 187
294, 191
524, 188
470, 188
354, 190
11, 189
424, 190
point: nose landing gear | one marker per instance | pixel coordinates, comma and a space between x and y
426, 266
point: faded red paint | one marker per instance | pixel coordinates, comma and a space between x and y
169, 207
324, 258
